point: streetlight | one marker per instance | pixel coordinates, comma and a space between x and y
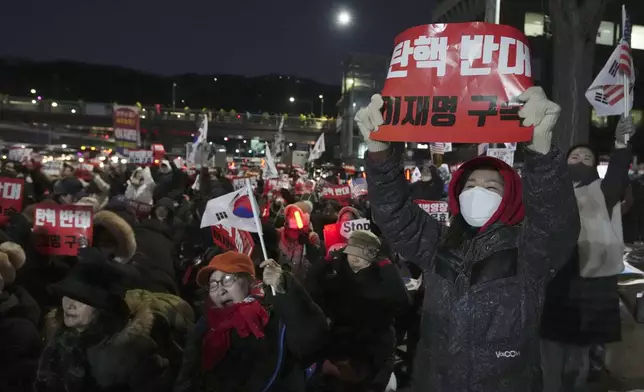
321, 105
64, 146
34, 101
344, 18
33, 91
73, 111
174, 95
54, 104
291, 99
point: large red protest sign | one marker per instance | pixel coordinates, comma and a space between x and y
456, 82
11, 197
439, 210
62, 229
230, 238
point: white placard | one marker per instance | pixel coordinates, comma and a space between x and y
349, 227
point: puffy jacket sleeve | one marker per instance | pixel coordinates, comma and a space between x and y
306, 326
410, 231
551, 225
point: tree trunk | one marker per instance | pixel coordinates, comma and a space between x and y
574, 32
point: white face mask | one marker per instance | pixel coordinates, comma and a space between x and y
478, 205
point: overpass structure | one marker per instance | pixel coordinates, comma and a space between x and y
47, 122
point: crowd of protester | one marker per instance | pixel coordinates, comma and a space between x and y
515, 294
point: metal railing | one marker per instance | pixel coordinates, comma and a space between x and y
81, 108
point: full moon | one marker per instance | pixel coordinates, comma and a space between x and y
344, 18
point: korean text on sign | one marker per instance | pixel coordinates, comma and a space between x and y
437, 209
141, 157
62, 229
456, 83
11, 197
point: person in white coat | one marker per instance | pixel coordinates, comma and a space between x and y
140, 186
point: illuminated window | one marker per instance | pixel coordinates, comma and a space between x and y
606, 33
638, 116
599, 122
637, 39
534, 24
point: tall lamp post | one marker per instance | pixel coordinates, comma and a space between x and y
174, 95
321, 105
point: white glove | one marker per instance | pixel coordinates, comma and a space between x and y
369, 119
541, 113
273, 275
625, 129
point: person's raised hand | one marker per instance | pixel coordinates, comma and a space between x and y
540, 113
273, 275
368, 120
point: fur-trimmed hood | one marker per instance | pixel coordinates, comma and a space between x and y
116, 360
122, 232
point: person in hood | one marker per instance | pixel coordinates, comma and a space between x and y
68, 190
430, 186
101, 337
247, 342
140, 187
348, 214
296, 237
361, 294
485, 274
19, 317
582, 304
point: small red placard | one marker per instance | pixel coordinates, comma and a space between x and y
62, 229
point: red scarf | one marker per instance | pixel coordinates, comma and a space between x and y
246, 318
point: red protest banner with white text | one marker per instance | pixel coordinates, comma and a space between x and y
230, 238
10, 197
439, 210
62, 229
456, 82
339, 193
127, 122
141, 157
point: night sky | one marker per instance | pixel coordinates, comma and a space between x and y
248, 37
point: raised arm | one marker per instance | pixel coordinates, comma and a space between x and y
551, 225
410, 231
616, 180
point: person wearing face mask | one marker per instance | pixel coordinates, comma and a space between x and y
486, 273
582, 304
248, 342
361, 293
101, 338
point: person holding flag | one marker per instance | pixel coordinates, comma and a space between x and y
486, 273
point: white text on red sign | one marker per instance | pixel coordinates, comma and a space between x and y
78, 219
10, 190
431, 53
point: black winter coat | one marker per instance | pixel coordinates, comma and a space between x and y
20, 341
479, 329
156, 257
296, 330
361, 308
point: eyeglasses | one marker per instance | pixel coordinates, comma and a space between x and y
225, 281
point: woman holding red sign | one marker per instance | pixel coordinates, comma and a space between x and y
486, 273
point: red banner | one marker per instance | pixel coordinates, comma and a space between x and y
456, 82
233, 239
340, 193
11, 193
62, 229
127, 121
439, 210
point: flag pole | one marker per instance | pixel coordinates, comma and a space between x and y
626, 79
258, 222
